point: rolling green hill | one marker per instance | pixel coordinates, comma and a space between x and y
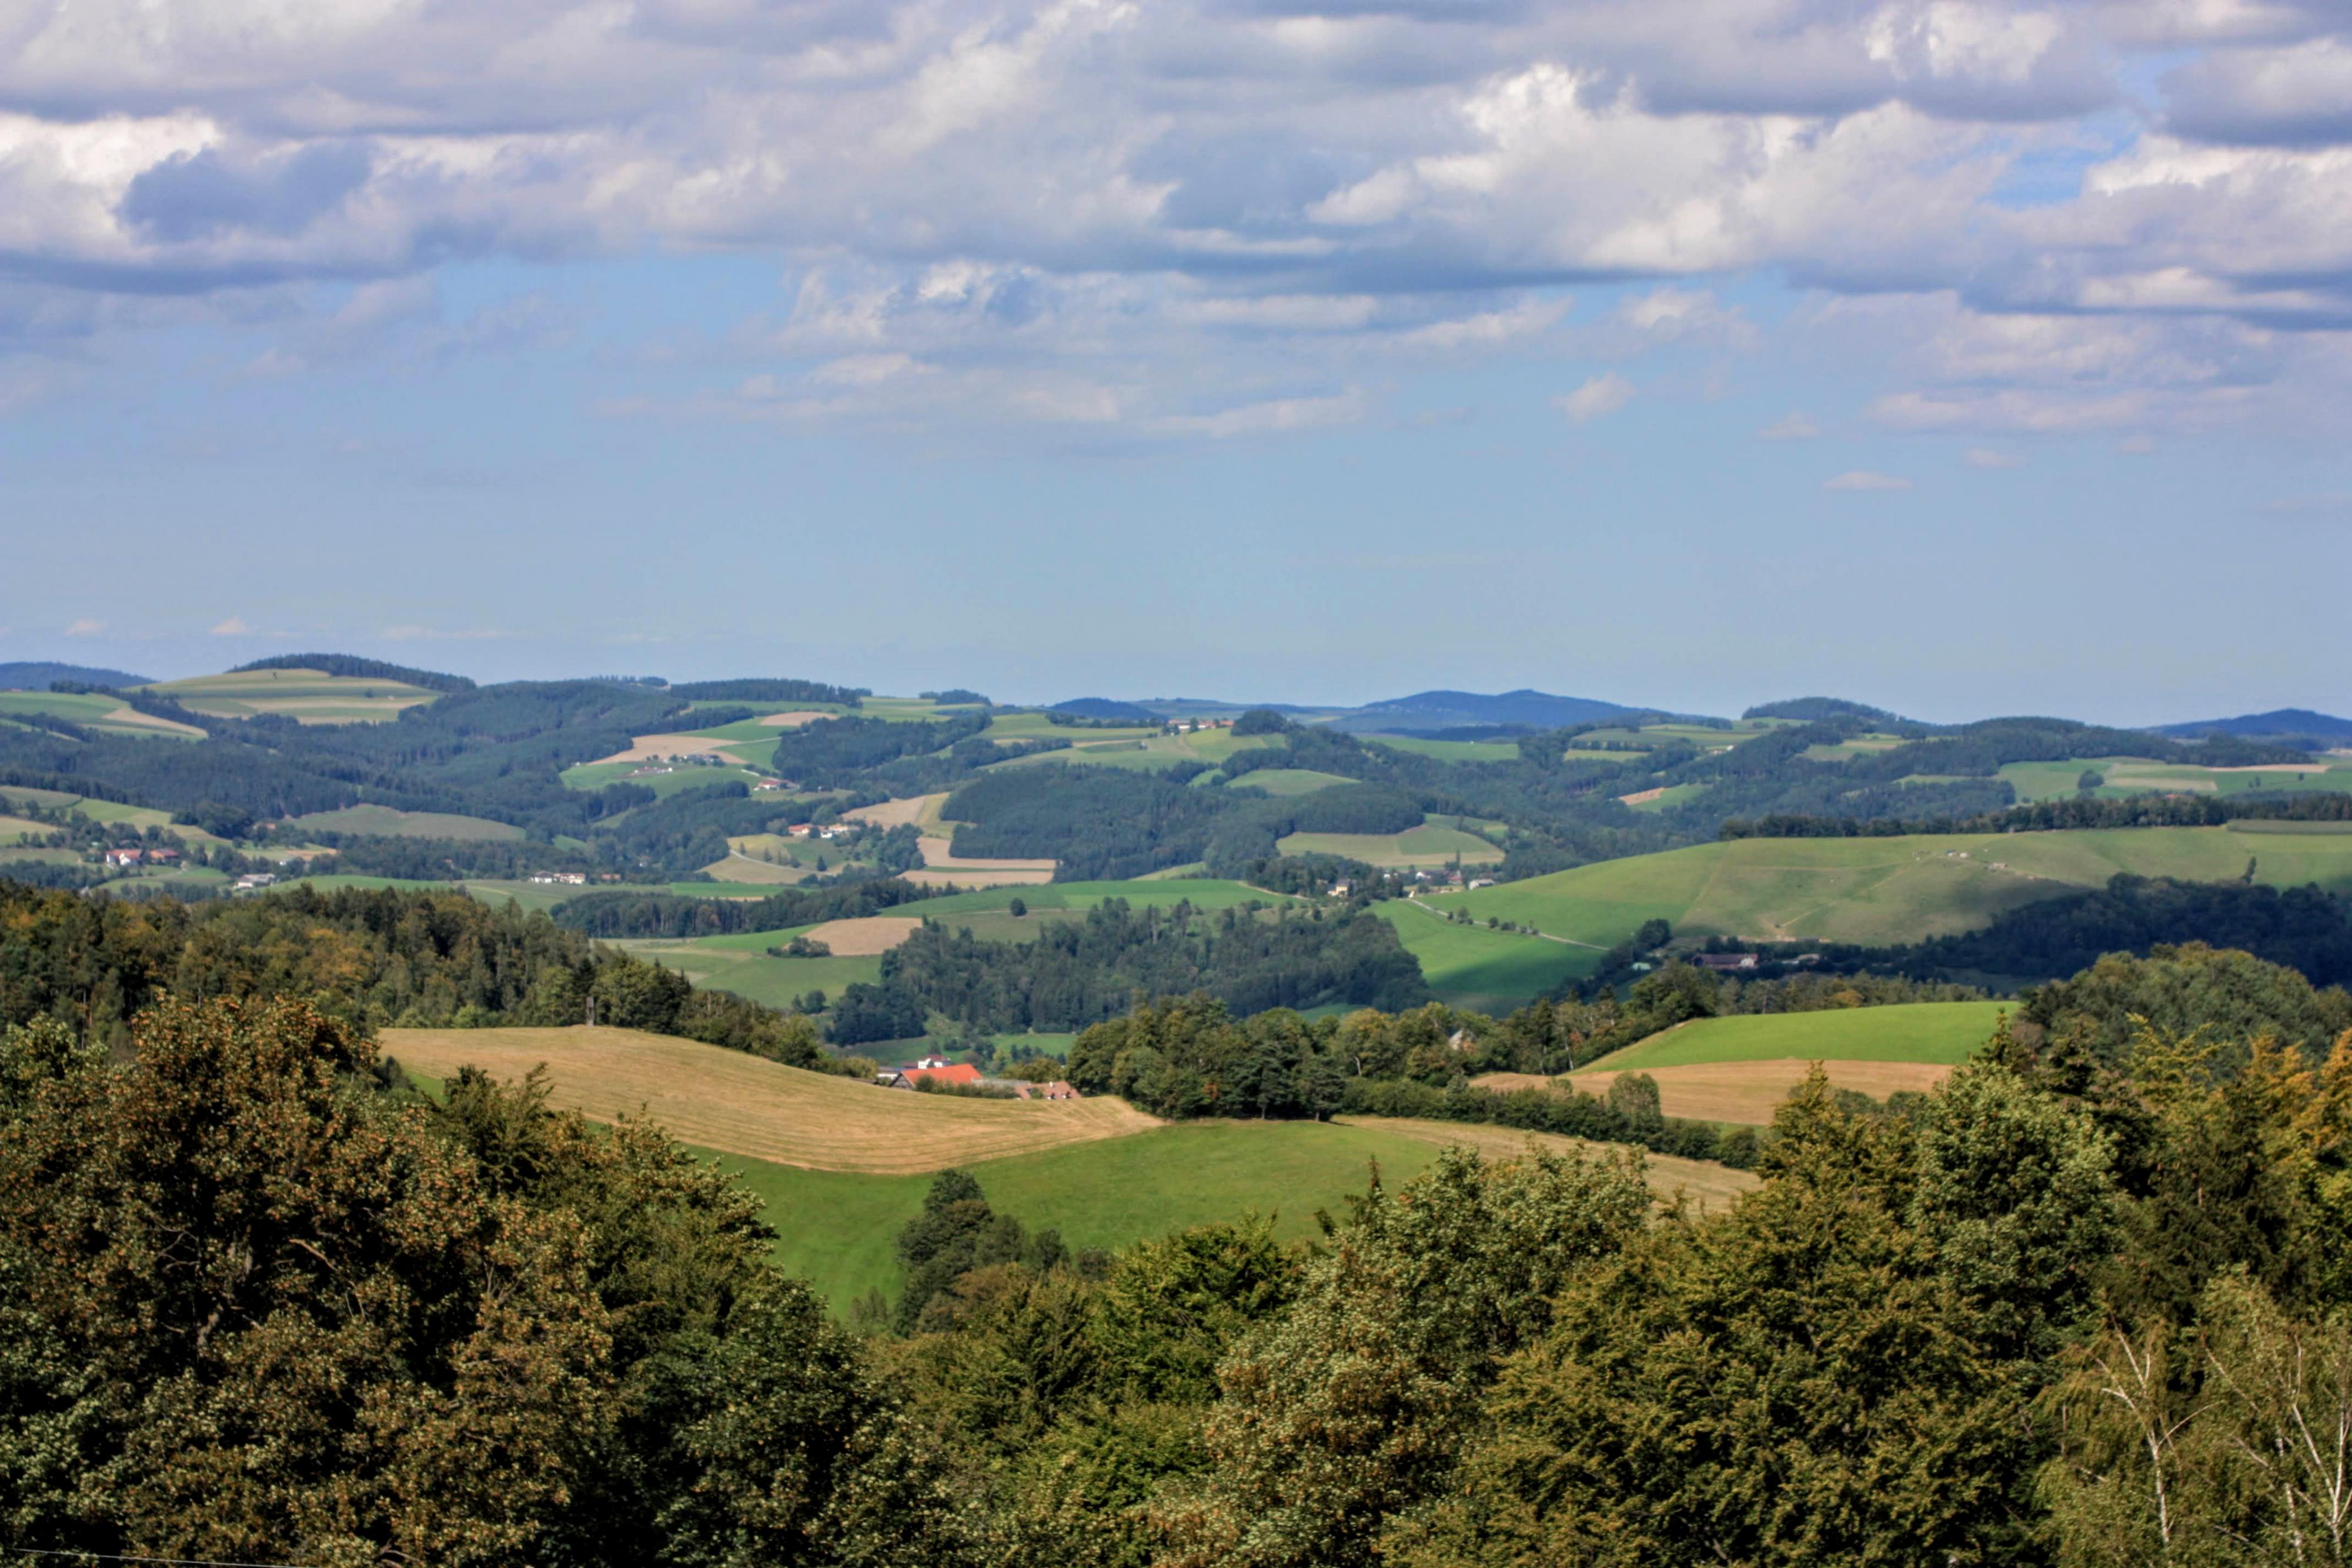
1890, 890
1489, 971
1940, 1032
308, 696
838, 1229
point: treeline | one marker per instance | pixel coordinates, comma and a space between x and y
628, 914
494, 751
2048, 816
1107, 824
2304, 927
1078, 973
370, 960
257, 1308
840, 753
356, 668
2074, 1307
764, 689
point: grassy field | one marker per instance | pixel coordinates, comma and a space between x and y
745, 1106
2127, 776
1750, 1092
838, 1229
1427, 845
308, 696
384, 822
1450, 750
677, 781
1285, 781
1940, 1032
1201, 892
1150, 753
1489, 971
1884, 890
93, 710
1671, 795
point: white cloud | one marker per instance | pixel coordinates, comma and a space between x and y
85, 627
1794, 427
1098, 204
1604, 395
1865, 479
234, 626
1986, 457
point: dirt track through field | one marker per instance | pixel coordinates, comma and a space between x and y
740, 1104
1747, 1092
1709, 1185
863, 938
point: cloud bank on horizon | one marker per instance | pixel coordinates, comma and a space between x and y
1195, 220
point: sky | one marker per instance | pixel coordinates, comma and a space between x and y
1962, 358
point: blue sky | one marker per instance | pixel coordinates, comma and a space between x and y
1963, 357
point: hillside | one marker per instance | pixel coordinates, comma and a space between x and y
1738, 1068
843, 1164
1877, 892
305, 695
745, 1106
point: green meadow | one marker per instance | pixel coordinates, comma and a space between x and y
384, 822
677, 781
1283, 781
308, 696
1488, 971
1450, 750
839, 1231
1880, 891
1940, 1033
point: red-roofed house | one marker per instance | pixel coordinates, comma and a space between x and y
962, 1072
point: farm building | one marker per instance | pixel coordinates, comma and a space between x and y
929, 1070
1725, 960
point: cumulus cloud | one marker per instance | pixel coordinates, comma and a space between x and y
234, 626
1604, 395
1794, 427
85, 627
1986, 457
1865, 479
1066, 206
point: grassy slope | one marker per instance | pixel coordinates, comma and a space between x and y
309, 697
1427, 845
838, 1229
1885, 889
1491, 971
383, 820
1943, 1032
1284, 781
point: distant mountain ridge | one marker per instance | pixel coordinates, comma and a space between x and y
1437, 710
35, 675
2278, 721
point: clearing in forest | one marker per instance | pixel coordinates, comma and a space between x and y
865, 937
743, 1105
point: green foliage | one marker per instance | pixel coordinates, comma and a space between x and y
1352, 1406
353, 668
253, 1308
1078, 973
2231, 996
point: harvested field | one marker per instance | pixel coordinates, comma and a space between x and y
740, 1104
790, 720
865, 937
1639, 796
961, 873
656, 748
1748, 1092
895, 813
1709, 1185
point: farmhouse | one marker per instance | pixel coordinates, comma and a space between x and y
959, 1073
125, 857
1058, 1089
573, 878
1725, 960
